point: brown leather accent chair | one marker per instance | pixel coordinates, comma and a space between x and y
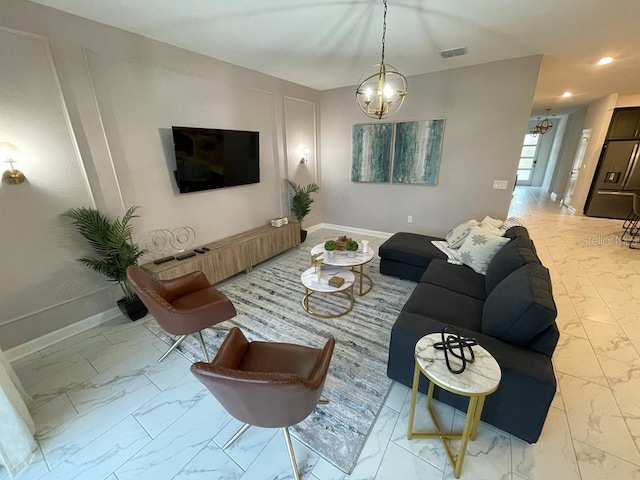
183, 305
272, 385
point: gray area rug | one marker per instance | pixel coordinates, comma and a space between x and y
269, 309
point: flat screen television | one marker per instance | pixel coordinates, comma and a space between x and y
211, 158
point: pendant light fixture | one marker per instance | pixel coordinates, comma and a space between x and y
381, 88
543, 126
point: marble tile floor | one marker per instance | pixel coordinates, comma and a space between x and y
105, 410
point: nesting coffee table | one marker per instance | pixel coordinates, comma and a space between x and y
342, 259
322, 287
479, 379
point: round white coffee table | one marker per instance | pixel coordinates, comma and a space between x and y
342, 259
479, 379
311, 287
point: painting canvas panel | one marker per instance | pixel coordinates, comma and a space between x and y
371, 152
416, 156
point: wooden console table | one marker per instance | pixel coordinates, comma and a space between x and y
232, 255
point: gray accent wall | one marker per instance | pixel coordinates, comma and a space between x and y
486, 110
91, 107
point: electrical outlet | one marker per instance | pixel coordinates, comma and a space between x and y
410, 219
500, 184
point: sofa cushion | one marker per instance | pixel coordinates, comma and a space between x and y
446, 306
456, 235
457, 278
479, 248
521, 306
411, 249
512, 256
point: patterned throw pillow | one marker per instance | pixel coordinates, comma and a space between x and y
479, 248
456, 235
512, 222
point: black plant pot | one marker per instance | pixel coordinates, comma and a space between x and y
303, 236
133, 310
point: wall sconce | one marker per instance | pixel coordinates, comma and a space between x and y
304, 152
9, 153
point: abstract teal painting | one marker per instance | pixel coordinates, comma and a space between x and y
416, 154
371, 160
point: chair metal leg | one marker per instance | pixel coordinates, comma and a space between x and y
204, 346
292, 456
173, 347
236, 436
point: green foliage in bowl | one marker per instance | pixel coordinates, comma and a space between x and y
330, 245
351, 246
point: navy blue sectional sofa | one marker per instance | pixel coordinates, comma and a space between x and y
510, 311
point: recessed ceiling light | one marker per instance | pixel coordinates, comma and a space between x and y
566, 94
605, 60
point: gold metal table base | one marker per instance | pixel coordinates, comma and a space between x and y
308, 293
476, 402
359, 271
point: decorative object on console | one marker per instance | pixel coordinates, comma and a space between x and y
10, 154
114, 250
456, 345
278, 222
164, 242
301, 202
351, 247
330, 246
382, 88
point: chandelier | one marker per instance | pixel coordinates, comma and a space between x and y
543, 126
381, 88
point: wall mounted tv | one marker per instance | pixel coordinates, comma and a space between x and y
211, 158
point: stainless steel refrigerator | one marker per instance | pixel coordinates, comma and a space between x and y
617, 176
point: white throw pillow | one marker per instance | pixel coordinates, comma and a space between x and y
479, 248
456, 235
512, 222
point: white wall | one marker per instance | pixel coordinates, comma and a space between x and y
628, 101
597, 119
486, 110
122, 93
560, 127
571, 138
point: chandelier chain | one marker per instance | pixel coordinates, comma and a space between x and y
384, 28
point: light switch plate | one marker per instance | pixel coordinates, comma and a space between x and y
500, 184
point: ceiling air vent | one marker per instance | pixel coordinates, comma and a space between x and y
453, 52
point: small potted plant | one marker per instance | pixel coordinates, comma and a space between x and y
351, 247
330, 247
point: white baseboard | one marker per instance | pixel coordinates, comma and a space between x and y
39, 343
359, 231
571, 209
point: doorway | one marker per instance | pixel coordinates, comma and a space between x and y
527, 162
575, 168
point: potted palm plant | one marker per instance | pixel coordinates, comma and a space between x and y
113, 251
301, 202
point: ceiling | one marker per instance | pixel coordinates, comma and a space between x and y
326, 44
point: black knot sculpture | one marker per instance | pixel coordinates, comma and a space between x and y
456, 345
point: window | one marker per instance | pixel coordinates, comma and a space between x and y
527, 157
